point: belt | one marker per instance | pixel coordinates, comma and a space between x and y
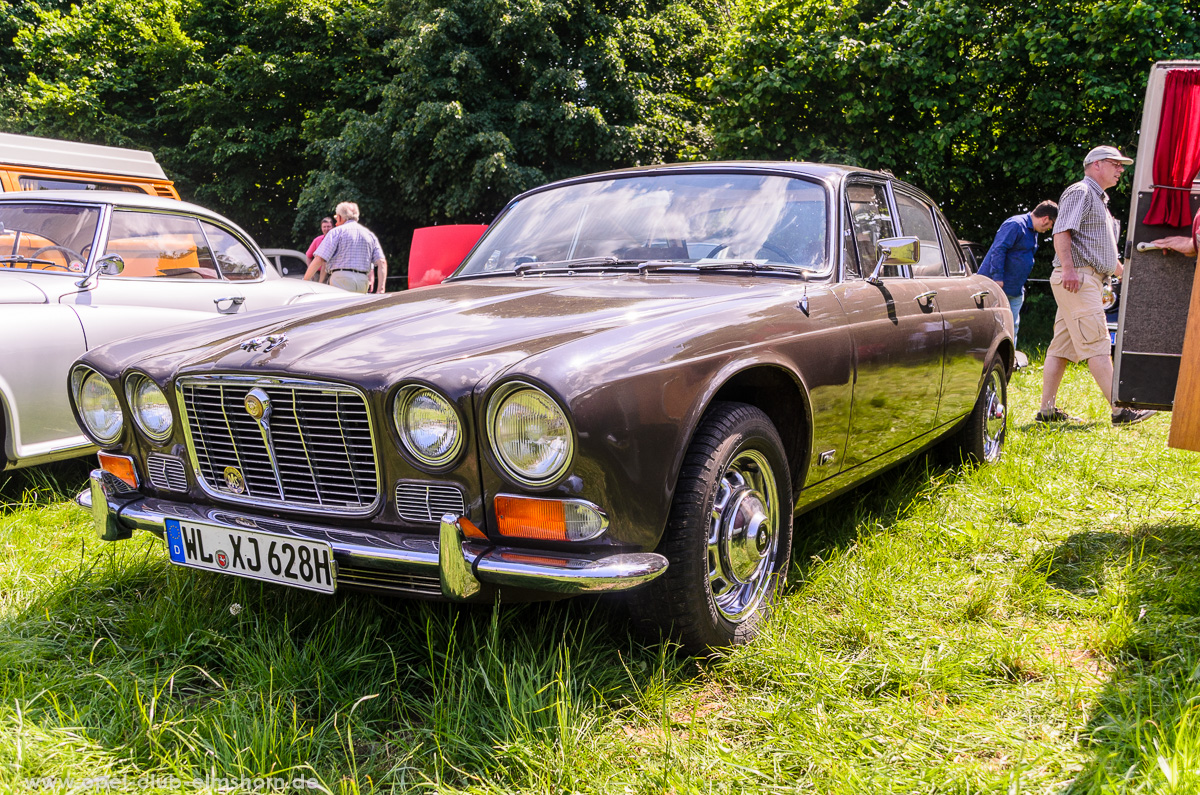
352, 270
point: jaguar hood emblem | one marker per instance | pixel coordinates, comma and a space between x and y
264, 344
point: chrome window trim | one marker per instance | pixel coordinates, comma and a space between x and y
266, 382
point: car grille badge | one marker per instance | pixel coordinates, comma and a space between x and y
234, 481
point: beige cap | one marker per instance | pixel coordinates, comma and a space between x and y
1106, 153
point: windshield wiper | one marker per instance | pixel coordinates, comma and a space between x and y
744, 265
581, 265
26, 260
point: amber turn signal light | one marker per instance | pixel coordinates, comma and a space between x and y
120, 466
548, 520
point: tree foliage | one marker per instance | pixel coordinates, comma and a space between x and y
492, 97
989, 106
220, 90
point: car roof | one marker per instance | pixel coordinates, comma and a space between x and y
118, 198
830, 173
123, 198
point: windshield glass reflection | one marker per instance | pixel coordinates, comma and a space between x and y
50, 237
688, 218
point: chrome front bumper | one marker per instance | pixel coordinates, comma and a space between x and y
450, 566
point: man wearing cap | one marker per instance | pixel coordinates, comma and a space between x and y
1085, 256
349, 253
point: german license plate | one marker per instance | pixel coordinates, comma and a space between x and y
248, 553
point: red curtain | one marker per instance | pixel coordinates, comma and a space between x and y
1177, 159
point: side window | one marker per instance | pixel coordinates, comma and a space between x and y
234, 258
46, 183
956, 258
851, 267
160, 245
870, 221
916, 220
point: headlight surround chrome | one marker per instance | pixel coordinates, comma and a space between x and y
98, 406
151, 410
428, 424
529, 433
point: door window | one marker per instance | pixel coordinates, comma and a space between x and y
871, 221
160, 245
916, 220
234, 258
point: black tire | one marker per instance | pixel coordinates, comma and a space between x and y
729, 534
981, 439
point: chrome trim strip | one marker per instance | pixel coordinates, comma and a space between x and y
483, 562
251, 380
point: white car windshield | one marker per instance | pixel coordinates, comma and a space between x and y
700, 219
51, 237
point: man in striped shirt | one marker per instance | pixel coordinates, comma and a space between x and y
348, 254
1085, 257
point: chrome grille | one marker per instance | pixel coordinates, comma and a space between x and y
166, 472
315, 450
390, 581
426, 502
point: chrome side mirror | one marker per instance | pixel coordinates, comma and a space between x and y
108, 265
896, 251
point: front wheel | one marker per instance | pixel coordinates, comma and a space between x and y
729, 534
981, 439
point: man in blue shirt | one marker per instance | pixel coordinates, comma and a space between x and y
1010, 259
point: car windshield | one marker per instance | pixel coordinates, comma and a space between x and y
52, 237
700, 219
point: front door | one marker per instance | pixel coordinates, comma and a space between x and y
897, 335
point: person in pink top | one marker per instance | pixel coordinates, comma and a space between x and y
326, 224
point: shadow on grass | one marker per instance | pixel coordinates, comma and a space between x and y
44, 484
400, 691
1143, 734
879, 503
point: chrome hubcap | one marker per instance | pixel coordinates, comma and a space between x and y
743, 535
995, 416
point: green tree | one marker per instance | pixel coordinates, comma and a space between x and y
220, 90
989, 106
492, 97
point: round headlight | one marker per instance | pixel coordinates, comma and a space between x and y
530, 434
98, 406
428, 425
151, 411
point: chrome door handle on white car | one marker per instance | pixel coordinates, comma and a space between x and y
235, 304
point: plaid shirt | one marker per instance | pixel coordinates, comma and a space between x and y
1083, 211
350, 246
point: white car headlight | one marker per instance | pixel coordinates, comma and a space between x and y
529, 434
98, 405
428, 425
151, 411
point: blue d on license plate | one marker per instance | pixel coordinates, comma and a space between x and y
298, 562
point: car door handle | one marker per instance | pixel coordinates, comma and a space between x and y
926, 296
980, 297
235, 303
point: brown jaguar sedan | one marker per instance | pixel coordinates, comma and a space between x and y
633, 382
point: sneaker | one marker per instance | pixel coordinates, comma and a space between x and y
1055, 415
1126, 416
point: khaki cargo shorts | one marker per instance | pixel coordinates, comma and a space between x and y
1080, 328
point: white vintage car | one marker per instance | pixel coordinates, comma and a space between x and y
78, 269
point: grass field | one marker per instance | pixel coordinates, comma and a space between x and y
1026, 627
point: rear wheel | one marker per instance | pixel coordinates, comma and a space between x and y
729, 534
981, 439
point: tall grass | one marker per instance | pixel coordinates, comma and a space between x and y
1024, 627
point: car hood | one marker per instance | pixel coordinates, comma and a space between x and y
411, 333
